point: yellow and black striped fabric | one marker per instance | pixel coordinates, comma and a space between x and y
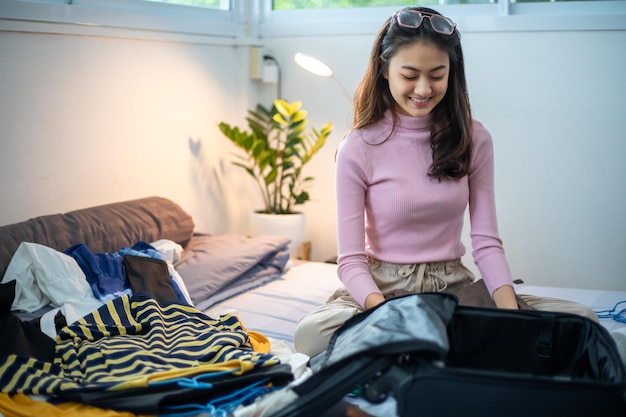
131, 342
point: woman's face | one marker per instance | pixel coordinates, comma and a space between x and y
418, 78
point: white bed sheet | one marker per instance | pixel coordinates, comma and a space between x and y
596, 299
275, 308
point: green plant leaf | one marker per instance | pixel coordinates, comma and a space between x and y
295, 106
301, 198
278, 118
271, 176
257, 148
299, 116
282, 107
266, 159
247, 142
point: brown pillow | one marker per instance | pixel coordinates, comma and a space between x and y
105, 228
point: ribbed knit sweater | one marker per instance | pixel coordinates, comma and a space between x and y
389, 208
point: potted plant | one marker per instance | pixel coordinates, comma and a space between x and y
275, 149
276, 145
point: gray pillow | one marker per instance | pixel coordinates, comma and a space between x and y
104, 228
215, 267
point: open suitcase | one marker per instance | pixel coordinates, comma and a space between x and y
437, 358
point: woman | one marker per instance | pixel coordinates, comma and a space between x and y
412, 163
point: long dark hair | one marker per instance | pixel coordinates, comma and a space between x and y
451, 127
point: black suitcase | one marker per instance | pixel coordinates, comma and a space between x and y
489, 362
518, 363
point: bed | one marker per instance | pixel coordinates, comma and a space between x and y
50, 266
250, 281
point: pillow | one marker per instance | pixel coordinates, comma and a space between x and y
215, 267
104, 228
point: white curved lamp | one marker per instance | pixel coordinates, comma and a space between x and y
317, 67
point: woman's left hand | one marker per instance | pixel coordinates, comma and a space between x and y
504, 297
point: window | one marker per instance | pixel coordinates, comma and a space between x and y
231, 21
211, 4
212, 21
336, 4
357, 17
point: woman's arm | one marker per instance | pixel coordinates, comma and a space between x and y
351, 187
504, 297
488, 250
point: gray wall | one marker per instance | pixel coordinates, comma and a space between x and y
90, 120
554, 103
93, 119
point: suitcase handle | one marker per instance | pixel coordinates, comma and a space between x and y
546, 335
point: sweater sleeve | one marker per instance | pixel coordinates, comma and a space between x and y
351, 186
487, 248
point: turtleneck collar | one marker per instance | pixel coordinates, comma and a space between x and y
408, 122
380, 131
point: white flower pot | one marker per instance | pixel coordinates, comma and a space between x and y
291, 226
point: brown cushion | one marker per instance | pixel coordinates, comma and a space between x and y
105, 228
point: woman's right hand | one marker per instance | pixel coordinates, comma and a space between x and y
373, 300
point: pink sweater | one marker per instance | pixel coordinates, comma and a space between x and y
389, 209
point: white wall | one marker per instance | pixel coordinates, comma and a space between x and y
91, 120
554, 103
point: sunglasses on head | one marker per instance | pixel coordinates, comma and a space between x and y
413, 19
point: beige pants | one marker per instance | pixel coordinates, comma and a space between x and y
314, 330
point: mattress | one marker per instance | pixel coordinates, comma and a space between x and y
598, 300
275, 308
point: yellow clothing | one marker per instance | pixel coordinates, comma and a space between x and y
20, 405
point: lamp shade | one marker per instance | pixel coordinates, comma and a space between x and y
313, 65
317, 67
